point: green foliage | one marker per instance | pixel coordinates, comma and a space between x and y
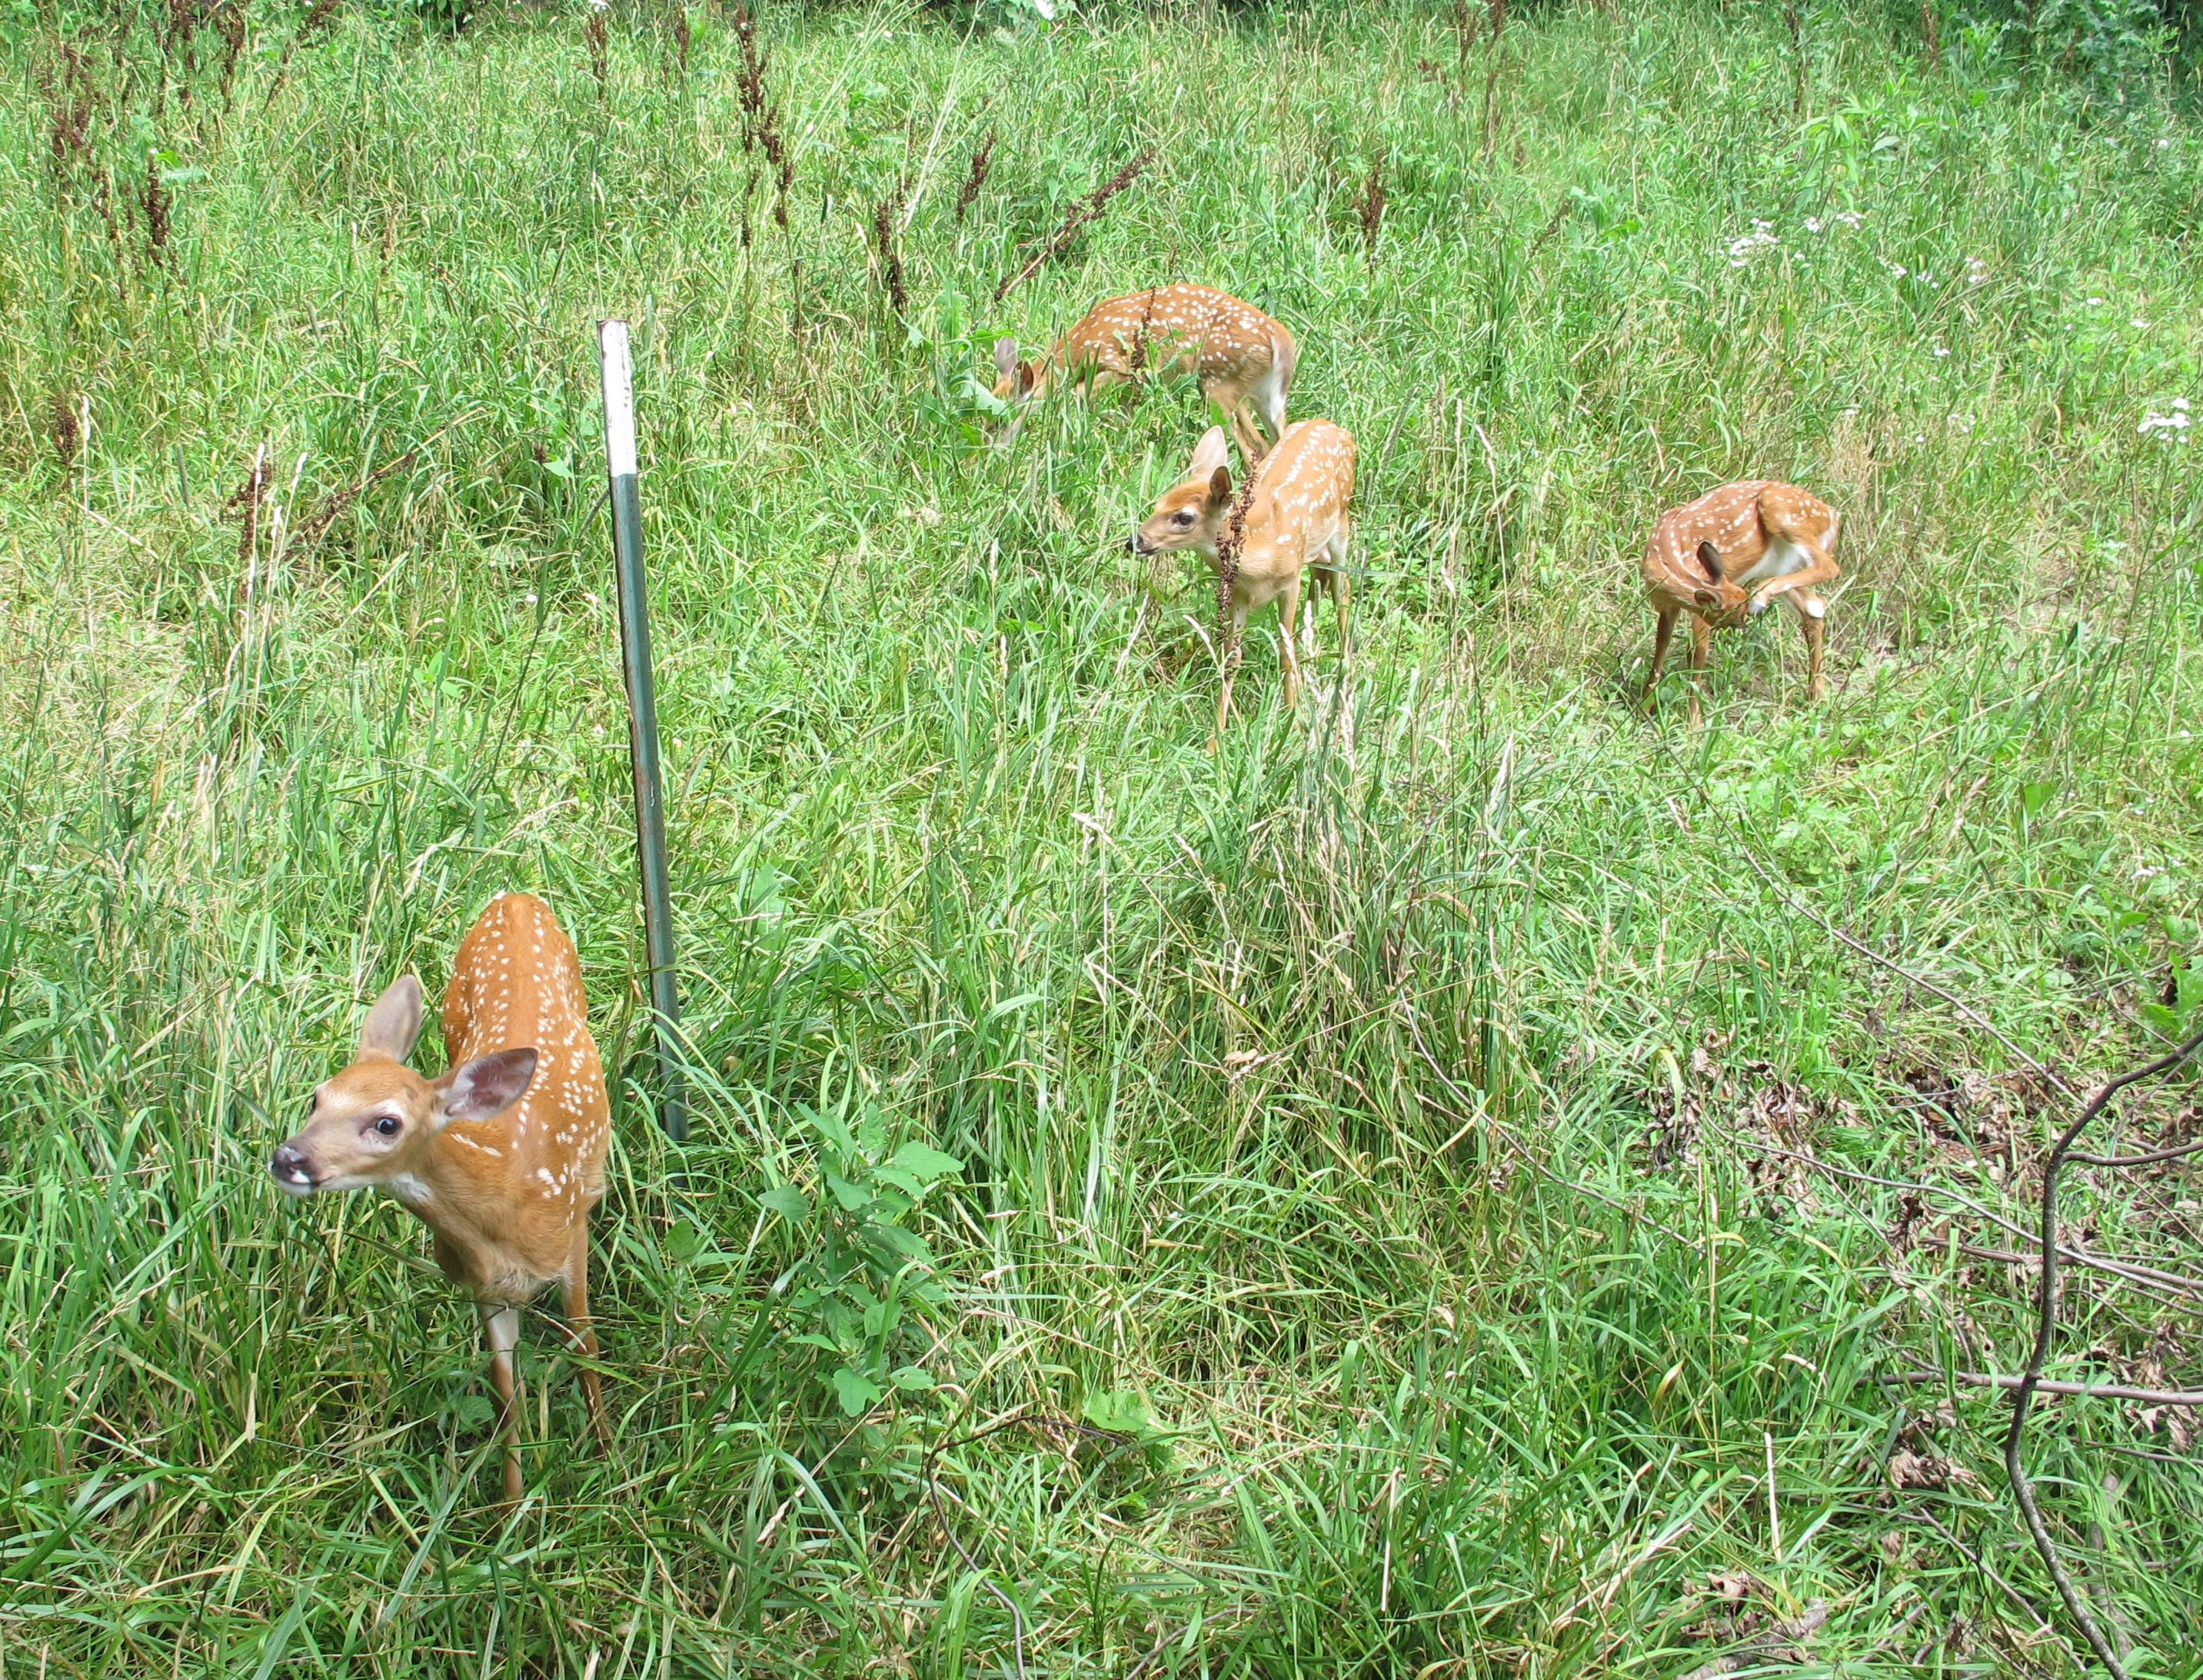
2111, 47
864, 1290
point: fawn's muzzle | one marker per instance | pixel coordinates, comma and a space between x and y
292, 1169
1134, 544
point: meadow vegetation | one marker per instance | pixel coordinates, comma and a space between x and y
1460, 1183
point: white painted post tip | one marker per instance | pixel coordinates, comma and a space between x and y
619, 397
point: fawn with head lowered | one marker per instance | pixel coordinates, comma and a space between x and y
503, 1154
1296, 521
1243, 359
1729, 556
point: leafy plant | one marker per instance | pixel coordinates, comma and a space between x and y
2111, 45
864, 1289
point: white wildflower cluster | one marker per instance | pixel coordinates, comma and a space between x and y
1815, 224
2172, 424
1761, 240
1977, 272
1756, 242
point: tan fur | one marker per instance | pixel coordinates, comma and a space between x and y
1243, 359
1298, 513
503, 1154
1774, 537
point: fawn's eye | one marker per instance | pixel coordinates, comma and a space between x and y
1181, 517
388, 1125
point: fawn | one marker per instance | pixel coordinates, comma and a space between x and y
1244, 359
1295, 511
1774, 536
503, 1154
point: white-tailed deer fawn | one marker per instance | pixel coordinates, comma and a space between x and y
1243, 359
1730, 554
1297, 512
502, 1155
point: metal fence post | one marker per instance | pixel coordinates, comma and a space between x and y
642, 722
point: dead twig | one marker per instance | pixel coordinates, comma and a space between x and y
246, 501
2148, 1277
311, 529
1085, 211
890, 259
761, 128
2047, 1385
2046, 1331
1369, 207
1228, 547
983, 161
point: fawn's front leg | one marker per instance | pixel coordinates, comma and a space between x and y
501, 1327
1822, 570
575, 1301
1666, 633
1702, 646
1811, 620
1234, 635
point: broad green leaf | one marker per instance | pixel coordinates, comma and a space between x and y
1121, 1411
856, 1392
788, 1202
927, 1162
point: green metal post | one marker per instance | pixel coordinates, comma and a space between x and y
642, 722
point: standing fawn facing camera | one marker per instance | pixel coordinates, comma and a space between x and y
1244, 359
1297, 512
1773, 536
503, 1154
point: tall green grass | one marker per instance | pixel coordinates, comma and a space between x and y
1415, 1105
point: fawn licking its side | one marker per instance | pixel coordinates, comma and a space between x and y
503, 1154
1243, 359
1297, 513
1729, 556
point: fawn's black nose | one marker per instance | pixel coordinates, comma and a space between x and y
292, 1169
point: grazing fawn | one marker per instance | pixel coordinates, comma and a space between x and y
503, 1154
1243, 359
1775, 537
1297, 512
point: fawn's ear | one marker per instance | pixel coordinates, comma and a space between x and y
1210, 453
1709, 600
1028, 376
1219, 487
486, 1086
1709, 557
395, 1022
1005, 358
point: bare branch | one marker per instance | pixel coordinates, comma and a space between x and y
2047, 1385
2046, 1332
